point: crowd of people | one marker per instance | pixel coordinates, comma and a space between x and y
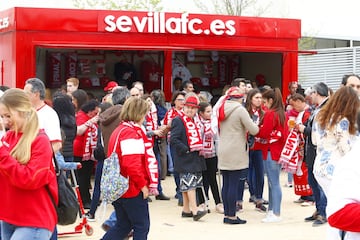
312, 136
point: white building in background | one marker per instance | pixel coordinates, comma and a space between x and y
333, 59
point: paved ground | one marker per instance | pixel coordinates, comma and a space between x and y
166, 222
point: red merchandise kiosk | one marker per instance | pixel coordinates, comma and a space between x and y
124, 46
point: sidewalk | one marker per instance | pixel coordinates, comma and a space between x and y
166, 221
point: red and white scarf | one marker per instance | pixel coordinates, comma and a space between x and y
171, 114
289, 157
149, 125
90, 135
150, 159
221, 110
193, 134
208, 150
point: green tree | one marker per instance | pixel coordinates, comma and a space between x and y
140, 5
307, 43
233, 7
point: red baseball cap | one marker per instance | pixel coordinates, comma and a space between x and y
110, 85
192, 101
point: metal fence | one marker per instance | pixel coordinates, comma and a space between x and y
328, 66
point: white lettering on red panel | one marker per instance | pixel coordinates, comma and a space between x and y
4, 22
159, 23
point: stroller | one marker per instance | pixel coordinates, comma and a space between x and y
84, 223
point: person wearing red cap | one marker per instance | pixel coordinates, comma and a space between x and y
108, 89
110, 86
186, 142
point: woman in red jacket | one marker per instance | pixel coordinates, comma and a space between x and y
26, 172
84, 145
137, 161
273, 130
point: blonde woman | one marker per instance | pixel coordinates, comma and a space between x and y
138, 163
26, 172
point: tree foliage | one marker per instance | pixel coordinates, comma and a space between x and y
232, 7
139, 5
307, 43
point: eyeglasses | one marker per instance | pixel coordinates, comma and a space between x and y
180, 99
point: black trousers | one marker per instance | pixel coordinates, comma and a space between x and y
83, 178
209, 180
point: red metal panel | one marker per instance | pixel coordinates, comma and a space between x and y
7, 57
73, 28
143, 22
51, 19
144, 41
7, 20
289, 71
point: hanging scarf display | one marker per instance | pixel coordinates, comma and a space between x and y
150, 159
192, 133
90, 142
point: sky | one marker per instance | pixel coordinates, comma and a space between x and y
319, 18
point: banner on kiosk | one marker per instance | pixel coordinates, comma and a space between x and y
173, 23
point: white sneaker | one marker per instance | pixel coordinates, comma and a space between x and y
271, 218
202, 207
219, 208
90, 218
307, 204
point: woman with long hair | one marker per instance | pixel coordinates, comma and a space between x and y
273, 130
138, 163
66, 111
334, 133
84, 146
209, 152
79, 97
26, 172
256, 165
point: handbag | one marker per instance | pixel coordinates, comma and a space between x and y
99, 152
68, 206
113, 185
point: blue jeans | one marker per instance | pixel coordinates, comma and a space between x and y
318, 193
229, 190
54, 234
158, 160
170, 160
179, 195
273, 169
13, 232
111, 221
290, 177
96, 193
131, 213
256, 174
243, 176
